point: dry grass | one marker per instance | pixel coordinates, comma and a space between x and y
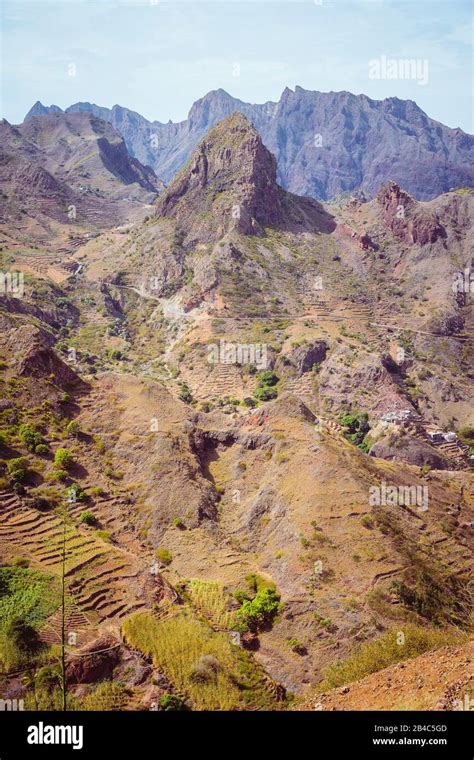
394, 646
183, 647
106, 696
210, 600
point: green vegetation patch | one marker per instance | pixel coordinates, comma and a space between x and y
27, 598
266, 390
25, 593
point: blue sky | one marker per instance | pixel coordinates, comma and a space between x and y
157, 58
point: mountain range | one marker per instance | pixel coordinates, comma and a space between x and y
325, 144
236, 429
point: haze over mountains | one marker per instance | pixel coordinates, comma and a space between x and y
325, 143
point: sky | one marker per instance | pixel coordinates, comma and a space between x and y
157, 57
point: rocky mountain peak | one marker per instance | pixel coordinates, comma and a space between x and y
213, 107
38, 109
231, 176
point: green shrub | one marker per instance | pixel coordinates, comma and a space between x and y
88, 518
30, 436
26, 594
426, 596
324, 622
41, 449
466, 434
76, 493
179, 523
73, 429
58, 475
171, 702
265, 393
17, 463
267, 378
63, 459
260, 612
265, 389
18, 469
163, 555
296, 646
185, 393
23, 636
366, 444
357, 426
240, 595
47, 689
256, 582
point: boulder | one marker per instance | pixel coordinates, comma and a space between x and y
304, 357
410, 450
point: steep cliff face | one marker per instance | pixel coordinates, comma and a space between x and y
329, 143
325, 143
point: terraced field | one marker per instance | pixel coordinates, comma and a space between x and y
99, 576
47, 265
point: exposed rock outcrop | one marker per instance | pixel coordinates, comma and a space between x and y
411, 450
304, 357
102, 657
33, 350
406, 218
